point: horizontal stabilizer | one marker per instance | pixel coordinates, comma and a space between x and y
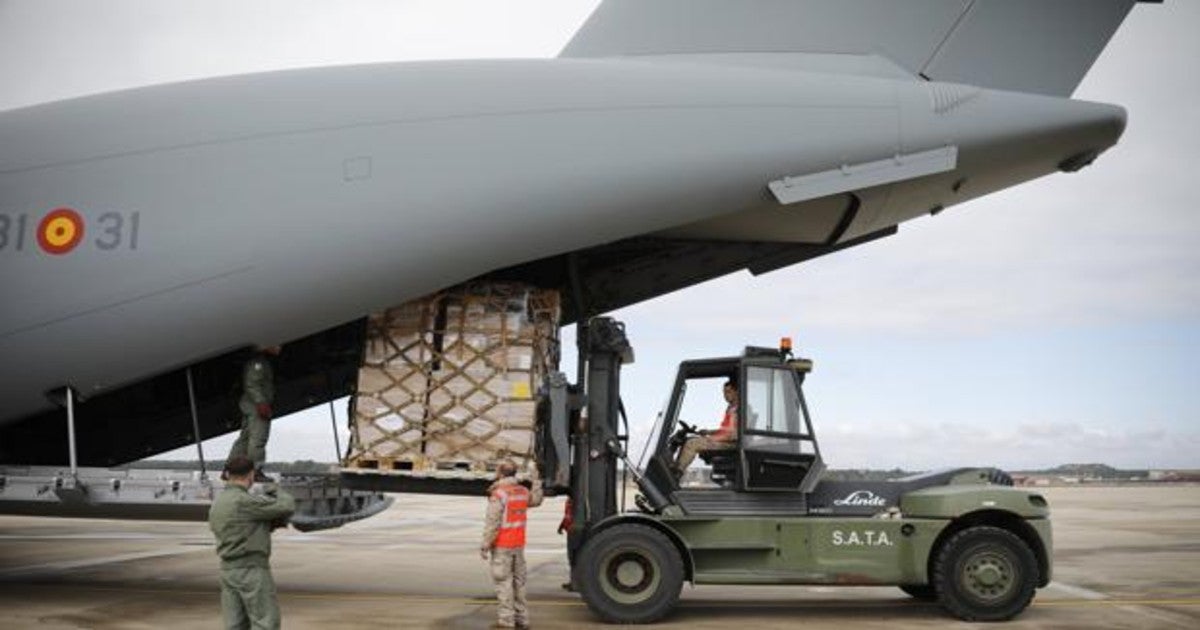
1041, 46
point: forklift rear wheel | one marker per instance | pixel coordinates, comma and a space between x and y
985, 574
924, 592
629, 573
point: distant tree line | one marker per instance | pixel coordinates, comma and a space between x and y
300, 466
1089, 471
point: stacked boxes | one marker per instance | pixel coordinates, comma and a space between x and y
448, 381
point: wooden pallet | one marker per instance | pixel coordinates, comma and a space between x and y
395, 465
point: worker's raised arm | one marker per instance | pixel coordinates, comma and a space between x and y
268, 508
536, 493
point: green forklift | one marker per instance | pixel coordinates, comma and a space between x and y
964, 538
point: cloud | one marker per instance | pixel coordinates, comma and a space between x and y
924, 446
1054, 253
54, 49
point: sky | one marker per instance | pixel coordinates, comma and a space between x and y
1054, 322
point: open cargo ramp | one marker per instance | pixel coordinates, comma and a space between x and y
322, 501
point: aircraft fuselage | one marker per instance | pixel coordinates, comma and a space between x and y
258, 209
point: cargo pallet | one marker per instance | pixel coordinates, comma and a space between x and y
447, 385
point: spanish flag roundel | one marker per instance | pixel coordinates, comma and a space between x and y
60, 231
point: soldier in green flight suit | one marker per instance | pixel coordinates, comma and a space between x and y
258, 392
242, 524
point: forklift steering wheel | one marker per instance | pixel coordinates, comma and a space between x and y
680, 435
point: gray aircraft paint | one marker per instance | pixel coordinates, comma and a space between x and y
1021, 45
272, 206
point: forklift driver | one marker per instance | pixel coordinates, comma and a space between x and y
722, 439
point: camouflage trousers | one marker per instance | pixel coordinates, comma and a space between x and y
508, 576
248, 599
692, 448
252, 441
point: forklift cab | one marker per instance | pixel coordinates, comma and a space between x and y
775, 450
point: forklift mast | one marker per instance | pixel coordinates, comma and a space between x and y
597, 447
579, 442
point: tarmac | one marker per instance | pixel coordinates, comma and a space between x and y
1125, 557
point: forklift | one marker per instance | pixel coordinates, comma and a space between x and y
964, 538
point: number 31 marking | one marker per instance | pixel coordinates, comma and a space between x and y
112, 230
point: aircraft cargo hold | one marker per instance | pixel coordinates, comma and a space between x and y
448, 382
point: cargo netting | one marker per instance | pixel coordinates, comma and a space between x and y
449, 381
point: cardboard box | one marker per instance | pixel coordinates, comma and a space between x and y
448, 381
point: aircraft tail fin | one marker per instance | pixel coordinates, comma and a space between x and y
1021, 45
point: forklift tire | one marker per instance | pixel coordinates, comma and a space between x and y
629, 573
985, 574
923, 592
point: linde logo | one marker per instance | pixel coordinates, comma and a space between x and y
861, 498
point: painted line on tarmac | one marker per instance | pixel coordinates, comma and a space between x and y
97, 536
794, 604
443, 522
419, 599
1077, 591
1189, 601
466, 548
385, 597
1063, 603
57, 567
1168, 617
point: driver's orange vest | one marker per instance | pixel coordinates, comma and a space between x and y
728, 425
514, 501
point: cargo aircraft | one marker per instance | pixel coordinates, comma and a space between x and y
150, 237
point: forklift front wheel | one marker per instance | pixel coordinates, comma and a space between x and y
629, 573
985, 573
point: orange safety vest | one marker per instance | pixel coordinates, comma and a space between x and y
514, 501
728, 425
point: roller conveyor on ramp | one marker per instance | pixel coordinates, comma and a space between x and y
322, 501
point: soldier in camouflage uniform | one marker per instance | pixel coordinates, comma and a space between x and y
504, 541
258, 392
242, 524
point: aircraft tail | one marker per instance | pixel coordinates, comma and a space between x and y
1040, 46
